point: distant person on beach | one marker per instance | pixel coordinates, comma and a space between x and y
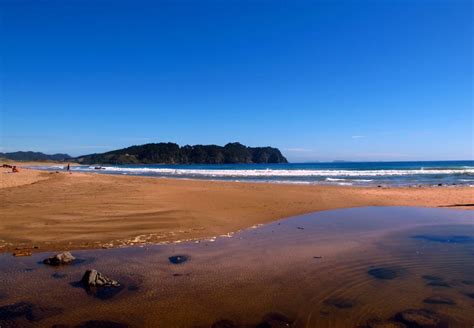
14, 169
68, 168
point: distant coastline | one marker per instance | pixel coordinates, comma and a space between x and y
165, 153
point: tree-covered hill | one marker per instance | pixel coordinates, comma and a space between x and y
171, 153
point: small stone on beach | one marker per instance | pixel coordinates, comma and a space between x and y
59, 259
93, 278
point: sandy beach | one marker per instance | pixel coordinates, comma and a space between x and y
58, 211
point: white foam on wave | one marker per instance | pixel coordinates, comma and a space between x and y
334, 179
344, 184
219, 173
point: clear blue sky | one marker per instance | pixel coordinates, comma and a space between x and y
321, 80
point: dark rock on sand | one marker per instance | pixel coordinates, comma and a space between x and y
178, 259
275, 320
339, 303
101, 324
93, 278
98, 285
383, 273
441, 300
60, 259
418, 318
224, 324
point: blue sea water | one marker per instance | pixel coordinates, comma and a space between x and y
338, 173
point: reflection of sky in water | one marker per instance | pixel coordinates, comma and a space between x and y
330, 269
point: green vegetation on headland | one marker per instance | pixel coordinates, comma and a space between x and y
31, 156
171, 153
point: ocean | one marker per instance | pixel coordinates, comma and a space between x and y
446, 173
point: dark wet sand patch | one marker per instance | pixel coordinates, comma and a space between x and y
101, 324
432, 278
13, 311
419, 318
383, 273
27, 310
379, 323
471, 295
275, 320
178, 259
224, 324
59, 275
441, 300
435, 283
458, 239
339, 303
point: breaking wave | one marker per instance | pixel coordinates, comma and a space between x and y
219, 173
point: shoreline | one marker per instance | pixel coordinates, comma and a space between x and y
60, 211
349, 183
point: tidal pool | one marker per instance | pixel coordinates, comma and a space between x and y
361, 267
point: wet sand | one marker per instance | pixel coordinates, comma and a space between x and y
364, 267
60, 211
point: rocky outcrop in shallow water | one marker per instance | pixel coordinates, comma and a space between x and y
93, 278
59, 259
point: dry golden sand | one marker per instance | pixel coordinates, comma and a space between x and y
56, 211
